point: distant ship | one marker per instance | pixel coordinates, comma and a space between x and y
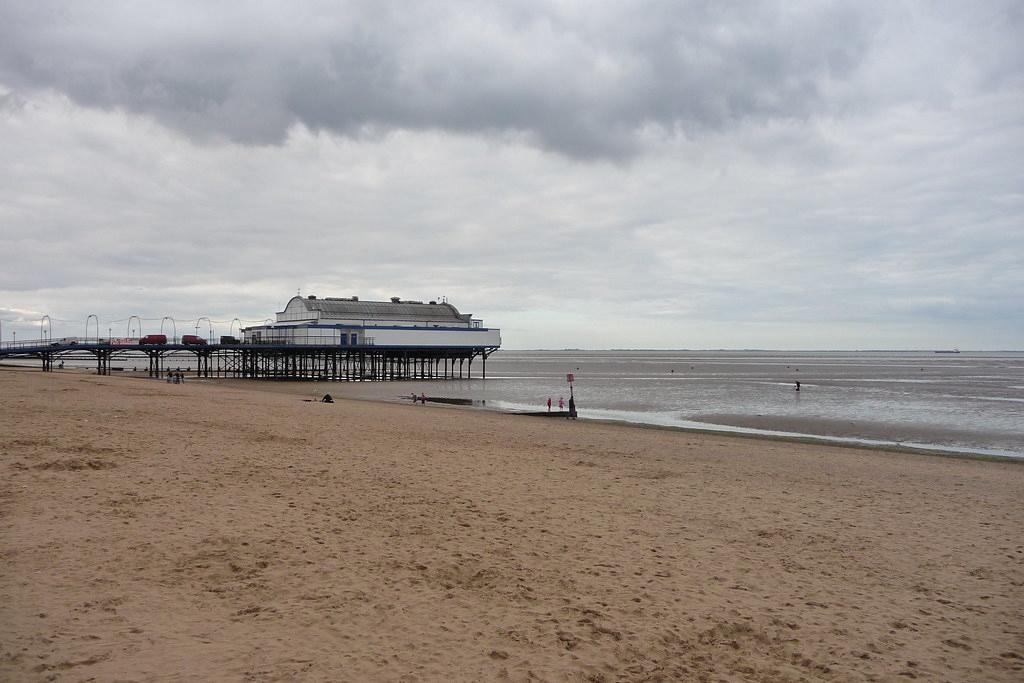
949, 351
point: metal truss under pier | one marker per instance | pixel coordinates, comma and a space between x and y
266, 361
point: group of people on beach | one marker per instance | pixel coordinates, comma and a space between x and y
175, 376
561, 406
422, 398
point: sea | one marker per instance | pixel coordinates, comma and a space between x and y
965, 402
959, 403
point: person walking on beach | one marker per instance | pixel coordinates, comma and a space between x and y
423, 398
561, 404
549, 404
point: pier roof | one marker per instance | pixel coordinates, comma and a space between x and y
391, 310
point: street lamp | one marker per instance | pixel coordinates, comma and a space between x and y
209, 325
174, 327
136, 318
92, 316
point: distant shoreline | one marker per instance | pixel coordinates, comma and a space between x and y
338, 390
783, 436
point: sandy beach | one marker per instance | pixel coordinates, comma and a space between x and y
153, 531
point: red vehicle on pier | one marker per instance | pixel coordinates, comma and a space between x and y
153, 339
192, 340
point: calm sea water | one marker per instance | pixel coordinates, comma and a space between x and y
966, 402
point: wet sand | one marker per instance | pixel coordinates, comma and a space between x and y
873, 431
197, 531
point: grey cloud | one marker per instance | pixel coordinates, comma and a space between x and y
840, 166
579, 80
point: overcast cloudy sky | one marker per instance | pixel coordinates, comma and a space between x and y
581, 174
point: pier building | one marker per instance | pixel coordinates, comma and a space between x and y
338, 321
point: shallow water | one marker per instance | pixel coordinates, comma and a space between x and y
967, 402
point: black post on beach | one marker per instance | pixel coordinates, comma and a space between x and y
570, 378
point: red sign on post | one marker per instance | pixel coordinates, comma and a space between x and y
569, 378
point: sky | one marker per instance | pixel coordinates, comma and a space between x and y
665, 174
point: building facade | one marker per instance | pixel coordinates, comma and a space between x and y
349, 322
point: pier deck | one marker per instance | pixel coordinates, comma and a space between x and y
269, 361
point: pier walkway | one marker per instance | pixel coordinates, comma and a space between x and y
264, 361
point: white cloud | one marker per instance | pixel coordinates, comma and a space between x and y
550, 173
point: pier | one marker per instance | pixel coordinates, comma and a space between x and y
335, 338
276, 361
